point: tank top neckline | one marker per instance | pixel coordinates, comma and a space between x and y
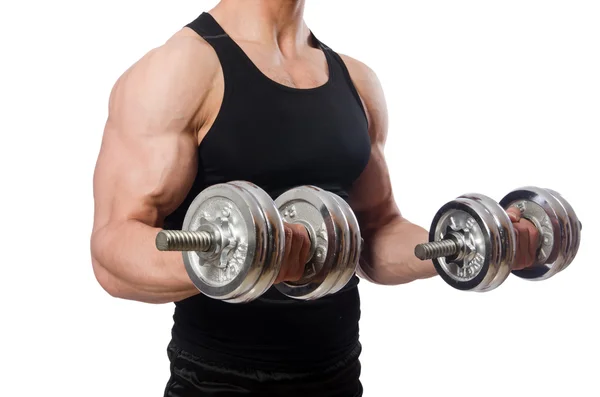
267, 79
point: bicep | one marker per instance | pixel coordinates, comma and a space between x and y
372, 196
147, 160
142, 175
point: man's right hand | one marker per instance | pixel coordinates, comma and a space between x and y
297, 251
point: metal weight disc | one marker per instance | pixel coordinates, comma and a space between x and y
540, 207
235, 220
339, 271
575, 226
321, 215
476, 267
271, 239
355, 244
503, 235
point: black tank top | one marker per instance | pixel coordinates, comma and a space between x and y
277, 137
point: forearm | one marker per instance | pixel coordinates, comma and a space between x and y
388, 257
128, 265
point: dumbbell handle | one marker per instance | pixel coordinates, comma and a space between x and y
442, 248
437, 249
181, 240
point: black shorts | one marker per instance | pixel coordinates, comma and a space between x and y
197, 377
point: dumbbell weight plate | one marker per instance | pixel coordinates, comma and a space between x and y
552, 220
231, 214
273, 241
484, 238
575, 226
350, 264
503, 236
328, 229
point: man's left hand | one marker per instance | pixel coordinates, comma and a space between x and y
527, 239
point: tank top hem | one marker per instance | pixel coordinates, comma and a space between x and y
266, 363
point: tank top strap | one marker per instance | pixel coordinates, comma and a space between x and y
206, 26
340, 74
237, 67
226, 49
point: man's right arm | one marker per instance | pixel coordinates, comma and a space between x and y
146, 166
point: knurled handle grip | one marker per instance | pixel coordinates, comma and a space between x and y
181, 240
436, 249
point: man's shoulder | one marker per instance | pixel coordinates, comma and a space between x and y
188, 43
185, 56
172, 81
182, 68
185, 52
369, 89
358, 69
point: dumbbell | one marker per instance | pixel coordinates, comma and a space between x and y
233, 241
472, 241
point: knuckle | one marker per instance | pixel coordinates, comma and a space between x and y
298, 232
289, 233
296, 239
534, 231
305, 239
289, 238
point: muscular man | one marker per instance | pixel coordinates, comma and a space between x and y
247, 92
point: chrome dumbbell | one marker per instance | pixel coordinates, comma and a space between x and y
233, 241
473, 242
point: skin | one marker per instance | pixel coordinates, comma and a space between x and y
161, 108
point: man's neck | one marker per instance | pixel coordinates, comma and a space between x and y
278, 22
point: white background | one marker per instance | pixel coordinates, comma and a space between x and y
483, 96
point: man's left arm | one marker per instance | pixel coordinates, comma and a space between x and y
390, 239
388, 255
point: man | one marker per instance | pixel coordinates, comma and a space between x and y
247, 92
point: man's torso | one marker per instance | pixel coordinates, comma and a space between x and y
278, 124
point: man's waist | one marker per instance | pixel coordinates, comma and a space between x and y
302, 355
271, 329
